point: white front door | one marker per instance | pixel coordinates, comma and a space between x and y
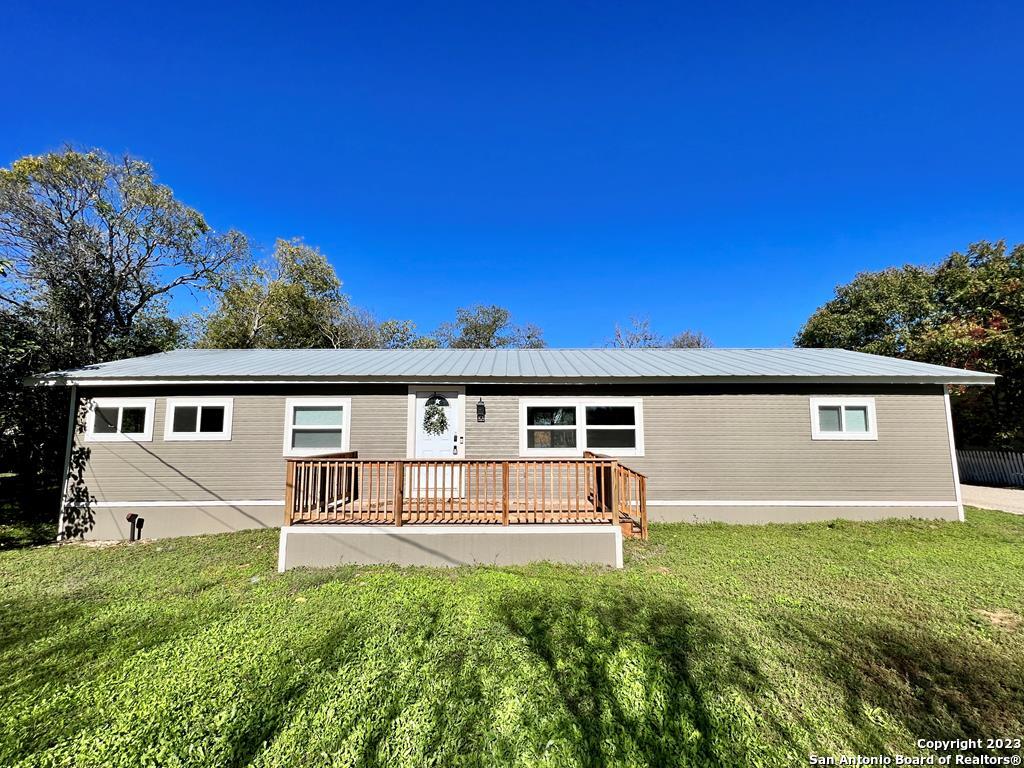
447, 444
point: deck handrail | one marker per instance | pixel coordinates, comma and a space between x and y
346, 489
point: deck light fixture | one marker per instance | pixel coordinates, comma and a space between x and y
481, 410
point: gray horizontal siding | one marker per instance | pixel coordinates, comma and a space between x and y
759, 447
498, 436
705, 446
755, 447
248, 467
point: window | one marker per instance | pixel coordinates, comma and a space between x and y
316, 425
198, 418
550, 427
843, 418
555, 426
113, 420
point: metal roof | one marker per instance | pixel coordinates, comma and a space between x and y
485, 365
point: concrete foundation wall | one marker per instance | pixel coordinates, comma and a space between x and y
314, 546
164, 522
794, 514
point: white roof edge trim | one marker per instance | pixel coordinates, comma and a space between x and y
981, 379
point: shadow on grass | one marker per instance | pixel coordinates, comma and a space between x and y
935, 686
56, 641
454, 699
25, 517
692, 677
272, 705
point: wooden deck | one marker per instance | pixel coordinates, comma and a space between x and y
343, 489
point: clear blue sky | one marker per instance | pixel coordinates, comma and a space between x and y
718, 166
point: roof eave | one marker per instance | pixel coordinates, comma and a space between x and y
976, 379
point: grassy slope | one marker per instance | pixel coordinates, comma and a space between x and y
716, 645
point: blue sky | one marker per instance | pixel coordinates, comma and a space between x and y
714, 166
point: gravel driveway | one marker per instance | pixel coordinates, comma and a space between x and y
1006, 499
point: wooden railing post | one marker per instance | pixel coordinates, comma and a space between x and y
399, 491
289, 491
615, 492
504, 493
643, 507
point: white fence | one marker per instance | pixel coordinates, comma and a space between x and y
991, 467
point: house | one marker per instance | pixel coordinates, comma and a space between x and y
458, 456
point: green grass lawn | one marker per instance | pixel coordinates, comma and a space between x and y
715, 645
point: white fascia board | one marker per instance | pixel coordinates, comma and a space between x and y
978, 379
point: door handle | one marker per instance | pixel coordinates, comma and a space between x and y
455, 450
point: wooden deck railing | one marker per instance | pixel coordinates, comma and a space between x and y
345, 489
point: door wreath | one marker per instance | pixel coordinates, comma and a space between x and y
435, 420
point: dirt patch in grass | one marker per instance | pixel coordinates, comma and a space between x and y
1002, 618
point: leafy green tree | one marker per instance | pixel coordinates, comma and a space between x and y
92, 248
295, 302
487, 327
95, 244
968, 312
401, 334
883, 313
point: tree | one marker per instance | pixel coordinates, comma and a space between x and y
295, 302
689, 340
92, 248
883, 313
94, 243
640, 335
967, 312
487, 327
401, 334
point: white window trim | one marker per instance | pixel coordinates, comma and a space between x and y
580, 404
843, 402
179, 402
346, 425
92, 436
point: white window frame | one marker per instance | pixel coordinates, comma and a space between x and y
289, 417
227, 403
843, 403
580, 404
91, 436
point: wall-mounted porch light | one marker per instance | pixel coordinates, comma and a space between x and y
481, 410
